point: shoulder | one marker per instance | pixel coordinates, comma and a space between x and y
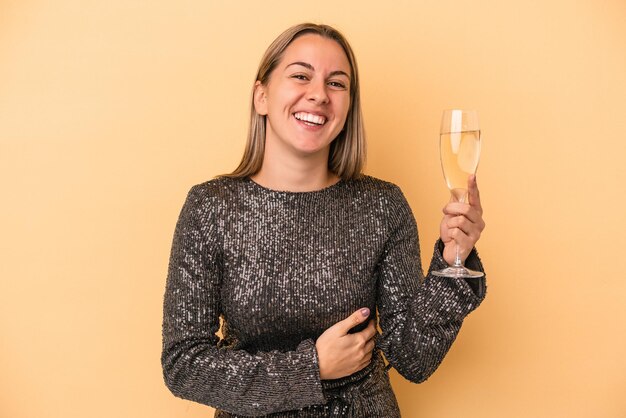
208, 197
377, 187
385, 198
216, 189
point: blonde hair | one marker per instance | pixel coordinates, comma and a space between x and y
347, 151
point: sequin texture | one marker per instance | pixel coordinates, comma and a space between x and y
280, 268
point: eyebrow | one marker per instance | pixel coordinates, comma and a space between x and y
310, 67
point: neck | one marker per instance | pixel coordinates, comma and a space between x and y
295, 175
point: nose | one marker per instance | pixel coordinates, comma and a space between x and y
317, 92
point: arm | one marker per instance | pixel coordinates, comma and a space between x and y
194, 365
419, 318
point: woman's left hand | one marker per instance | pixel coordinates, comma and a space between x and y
462, 224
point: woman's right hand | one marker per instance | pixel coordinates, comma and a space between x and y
340, 353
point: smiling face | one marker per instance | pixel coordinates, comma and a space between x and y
307, 98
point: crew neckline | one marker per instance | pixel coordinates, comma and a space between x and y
326, 189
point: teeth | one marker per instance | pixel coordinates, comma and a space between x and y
308, 117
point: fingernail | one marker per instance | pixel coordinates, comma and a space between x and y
365, 312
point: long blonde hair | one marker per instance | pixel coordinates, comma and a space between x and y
347, 152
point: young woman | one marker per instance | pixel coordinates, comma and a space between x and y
300, 253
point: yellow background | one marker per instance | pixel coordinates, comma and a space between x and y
111, 110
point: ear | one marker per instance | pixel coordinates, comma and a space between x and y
260, 98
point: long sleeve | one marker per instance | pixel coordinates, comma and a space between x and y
195, 366
419, 317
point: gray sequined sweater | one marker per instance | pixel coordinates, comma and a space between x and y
279, 268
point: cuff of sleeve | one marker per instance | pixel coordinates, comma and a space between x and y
310, 380
438, 262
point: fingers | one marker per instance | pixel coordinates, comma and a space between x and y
367, 353
462, 209
353, 320
474, 194
463, 240
364, 337
369, 332
473, 208
463, 223
368, 340
461, 229
473, 229
369, 346
463, 232
365, 362
454, 211
341, 353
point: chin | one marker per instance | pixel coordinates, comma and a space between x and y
314, 149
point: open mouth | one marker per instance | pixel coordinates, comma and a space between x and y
310, 119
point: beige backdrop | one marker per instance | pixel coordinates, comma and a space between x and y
111, 110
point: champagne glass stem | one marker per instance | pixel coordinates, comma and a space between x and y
457, 256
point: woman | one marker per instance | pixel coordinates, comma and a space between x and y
296, 251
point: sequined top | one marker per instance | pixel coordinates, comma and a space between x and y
280, 268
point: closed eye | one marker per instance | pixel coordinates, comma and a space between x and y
337, 84
300, 77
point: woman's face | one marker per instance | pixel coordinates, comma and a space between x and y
307, 97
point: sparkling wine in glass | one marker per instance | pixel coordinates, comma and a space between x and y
459, 147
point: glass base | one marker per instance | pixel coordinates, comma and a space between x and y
457, 272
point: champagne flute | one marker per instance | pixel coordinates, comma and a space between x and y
459, 147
